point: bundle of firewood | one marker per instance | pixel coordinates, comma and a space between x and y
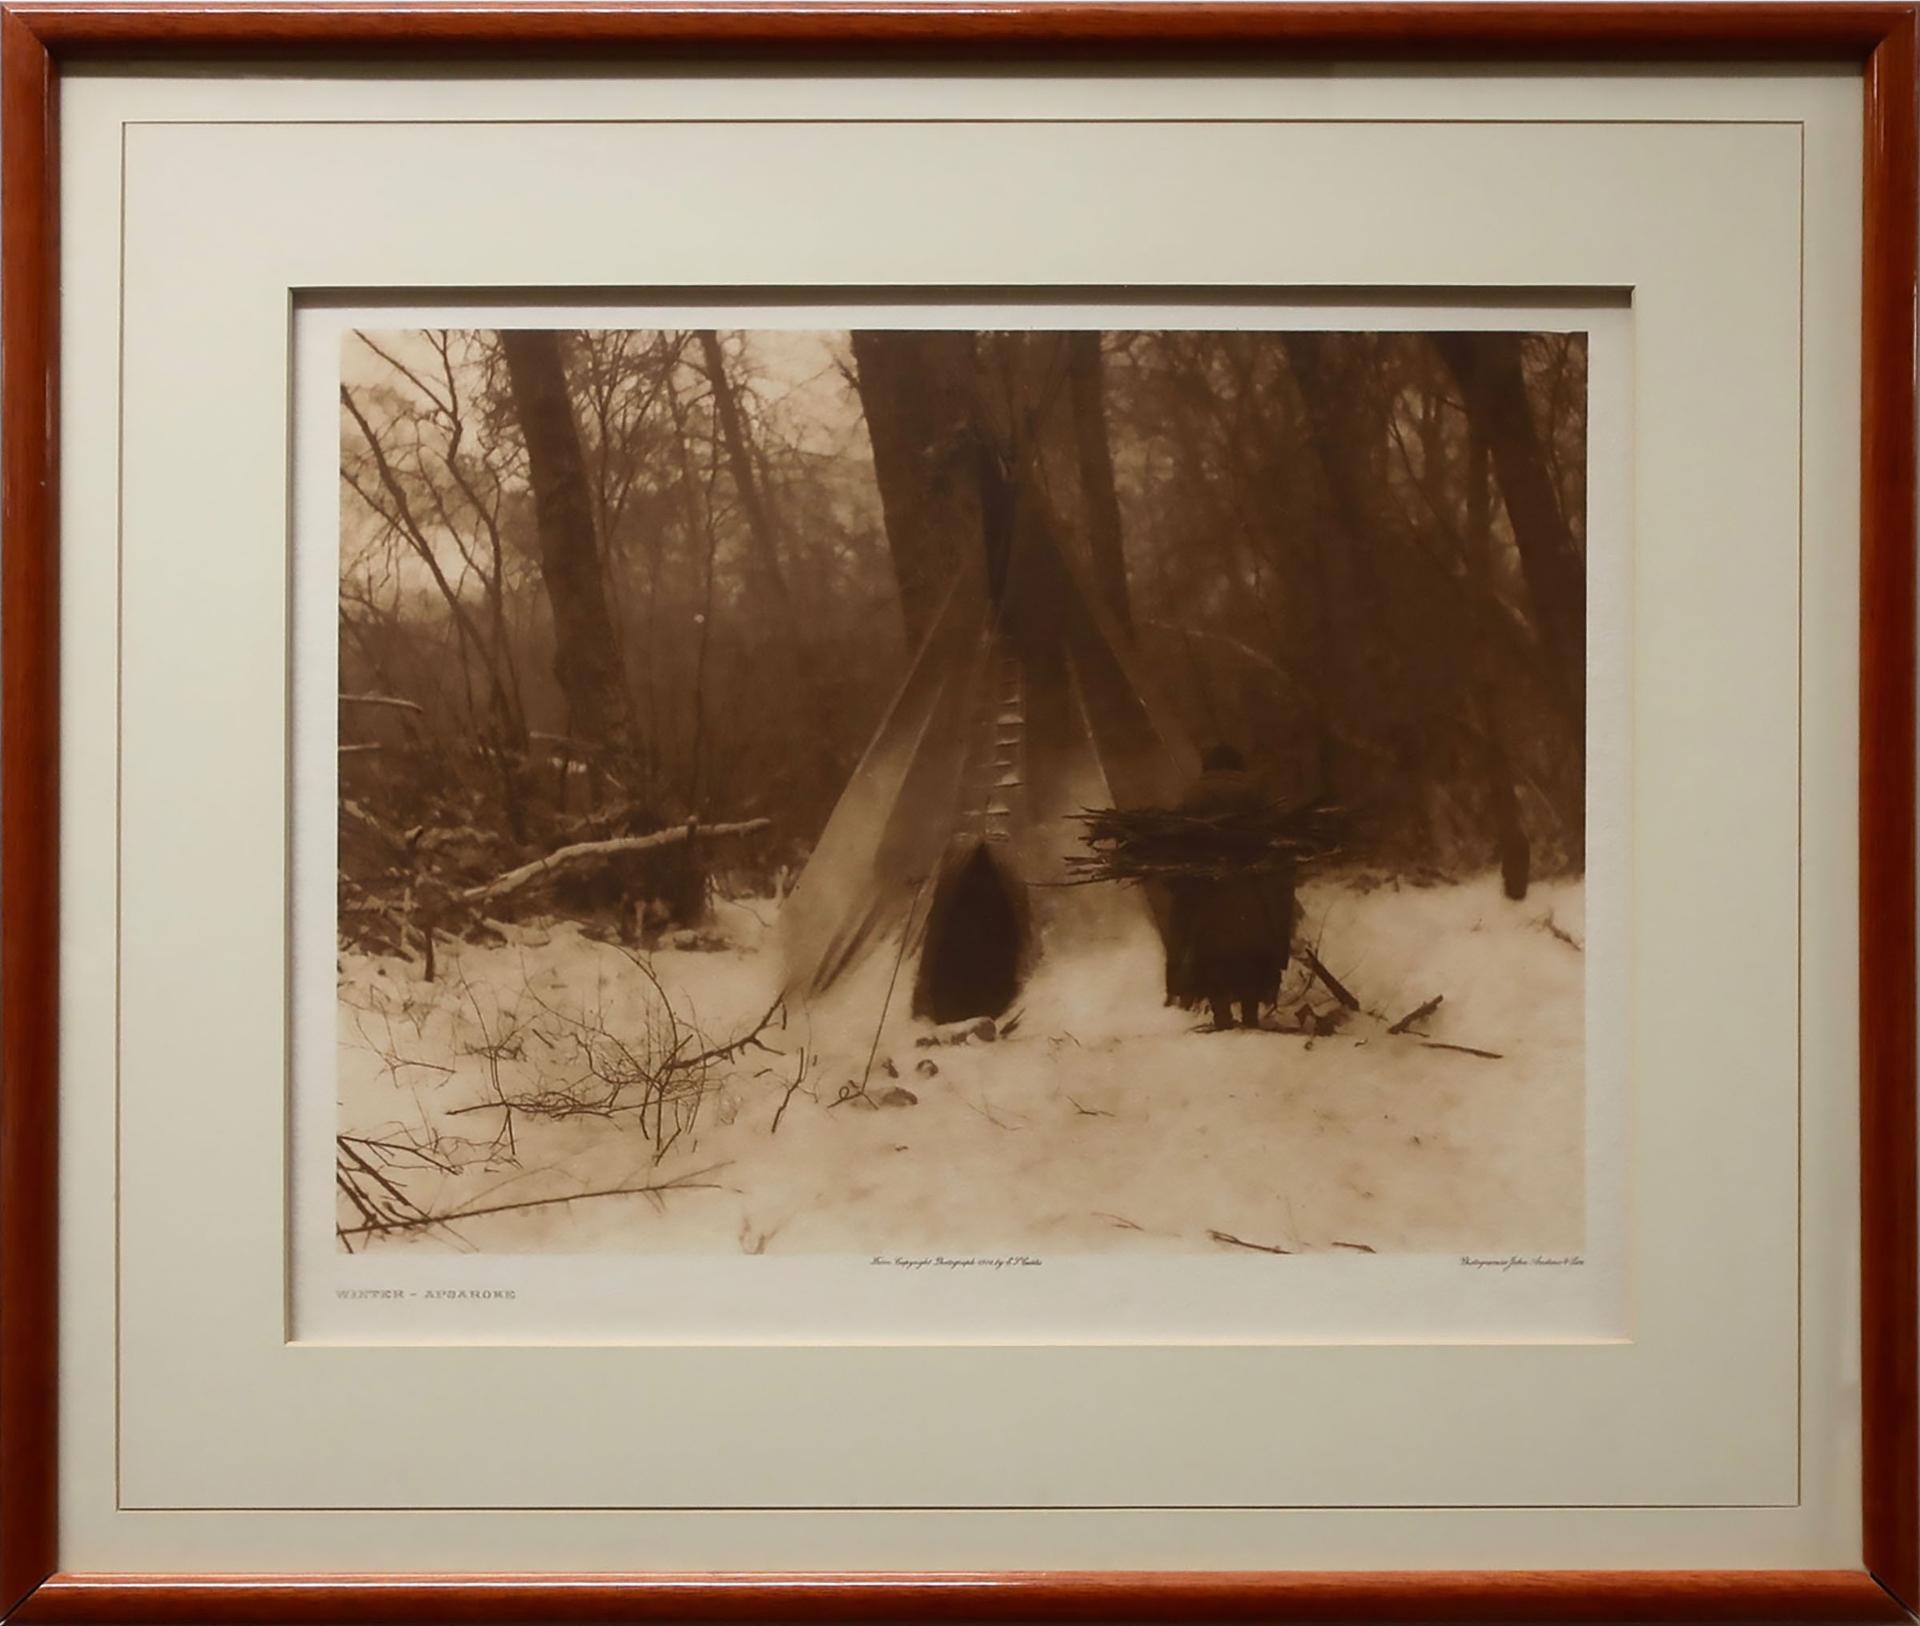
1158, 844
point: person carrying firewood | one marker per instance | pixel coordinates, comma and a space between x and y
1230, 925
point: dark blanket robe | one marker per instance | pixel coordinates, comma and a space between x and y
1228, 940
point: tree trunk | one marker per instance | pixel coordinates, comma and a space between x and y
703, 536
918, 391
1099, 502
803, 670
1511, 846
1345, 436
746, 485
586, 654
1487, 368
1342, 436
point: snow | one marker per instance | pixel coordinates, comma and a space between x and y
1101, 1121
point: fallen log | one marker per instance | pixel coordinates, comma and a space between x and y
382, 700
585, 851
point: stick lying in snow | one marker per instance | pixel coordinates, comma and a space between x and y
1419, 1014
1233, 1241
780, 1111
799, 1078
1335, 986
581, 851
1553, 928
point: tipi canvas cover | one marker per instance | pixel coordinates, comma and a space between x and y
944, 859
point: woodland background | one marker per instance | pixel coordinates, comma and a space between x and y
597, 584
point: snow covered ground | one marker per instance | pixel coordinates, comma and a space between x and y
1103, 1121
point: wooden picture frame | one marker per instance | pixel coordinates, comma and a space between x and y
40, 41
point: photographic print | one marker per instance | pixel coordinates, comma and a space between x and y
940, 794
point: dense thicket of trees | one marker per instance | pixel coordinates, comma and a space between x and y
598, 582
1338, 580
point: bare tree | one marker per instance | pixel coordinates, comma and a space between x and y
436, 489
586, 656
1488, 368
770, 577
1515, 852
764, 547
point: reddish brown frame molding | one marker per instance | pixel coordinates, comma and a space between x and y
36, 40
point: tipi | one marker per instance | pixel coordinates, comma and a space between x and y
944, 856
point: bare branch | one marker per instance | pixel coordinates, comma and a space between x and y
686, 1182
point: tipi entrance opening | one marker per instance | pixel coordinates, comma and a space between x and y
976, 940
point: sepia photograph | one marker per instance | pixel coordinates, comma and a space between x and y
939, 794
